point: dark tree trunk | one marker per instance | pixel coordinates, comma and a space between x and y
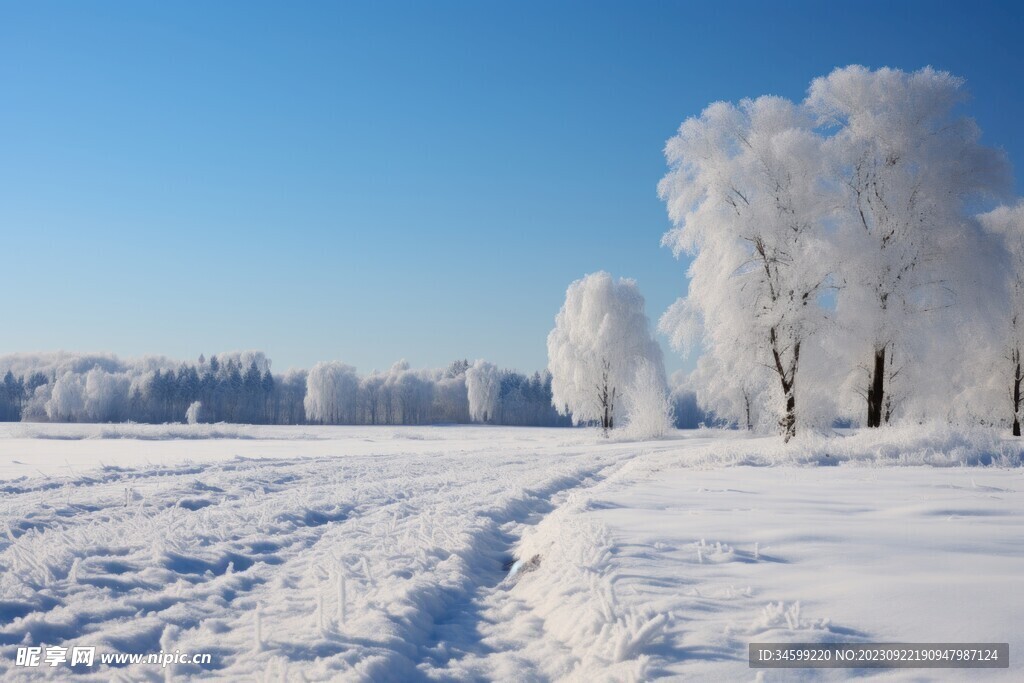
606, 397
1016, 392
876, 392
787, 378
789, 421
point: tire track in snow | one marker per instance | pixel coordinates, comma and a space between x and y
568, 623
443, 546
103, 550
411, 540
462, 621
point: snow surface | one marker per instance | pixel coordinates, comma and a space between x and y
479, 553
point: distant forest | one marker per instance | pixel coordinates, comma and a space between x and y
239, 387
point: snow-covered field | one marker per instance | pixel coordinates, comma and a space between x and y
475, 553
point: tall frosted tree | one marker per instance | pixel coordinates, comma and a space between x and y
601, 337
748, 199
67, 399
483, 383
106, 395
331, 393
906, 164
1007, 223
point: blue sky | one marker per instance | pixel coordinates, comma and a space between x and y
370, 181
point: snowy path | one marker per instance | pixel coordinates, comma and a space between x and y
384, 554
185, 556
670, 568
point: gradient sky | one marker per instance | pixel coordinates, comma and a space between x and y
370, 181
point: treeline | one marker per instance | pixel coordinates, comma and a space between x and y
336, 394
526, 401
240, 387
226, 392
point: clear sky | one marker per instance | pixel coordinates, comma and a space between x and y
370, 181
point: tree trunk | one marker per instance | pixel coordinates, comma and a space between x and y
789, 421
606, 397
788, 381
876, 392
1016, 393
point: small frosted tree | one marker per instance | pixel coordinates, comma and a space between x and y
601, 336
483, 382
193, 412
331, 393
648, 407
741, 397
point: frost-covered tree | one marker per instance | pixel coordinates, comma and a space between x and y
106, 395
601, 337
415, 393
13, 394
67, 399
371, 398
735, 397
748, 198
483, 382
648, 408
1007, 223
331, 392
193, 413
450, 402
906, 164
289, 395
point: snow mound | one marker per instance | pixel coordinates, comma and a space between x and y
935, 445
